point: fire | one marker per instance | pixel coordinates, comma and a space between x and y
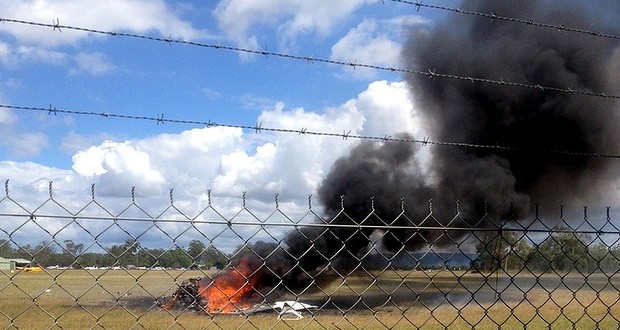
230, 291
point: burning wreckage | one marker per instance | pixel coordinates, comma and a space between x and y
189, 296
491, 184
230, 294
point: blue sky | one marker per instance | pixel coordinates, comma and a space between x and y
88, 72
78, 71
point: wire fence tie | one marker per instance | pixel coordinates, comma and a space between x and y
52, 111
418, 5
56, 24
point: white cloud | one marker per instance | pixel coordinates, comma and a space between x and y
364, 44
211, 94
7, 116
72, 142
41, 54
27, 176
5, 54
241, 19
230, 161
118, 165
405, 21
112, 15
23, 145
11, 56
92, 63
388, 109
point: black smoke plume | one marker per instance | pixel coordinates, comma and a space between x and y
543, 120
493, 184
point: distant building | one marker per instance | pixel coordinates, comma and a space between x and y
5, 264
13, 263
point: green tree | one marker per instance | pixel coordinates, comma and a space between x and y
90, 259
519, 251
501, 249
44, 254
215, 258
25, 252
196, 250
6, 248
72, 248
605, 258
175, 258
147, 257
71, 251
123, 255
563, 251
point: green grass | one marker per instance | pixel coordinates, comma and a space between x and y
79, 299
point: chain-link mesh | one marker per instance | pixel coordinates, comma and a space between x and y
106, 263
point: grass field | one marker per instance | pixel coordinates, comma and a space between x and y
80, 299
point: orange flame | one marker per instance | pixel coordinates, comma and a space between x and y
231, 291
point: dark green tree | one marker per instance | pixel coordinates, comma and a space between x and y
44, 254
500, 250
91, 259
563, 251
605, 258
196, 251
175, 258
70, 252
123, 255
215, 258
6, 249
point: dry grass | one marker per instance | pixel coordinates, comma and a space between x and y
79, 299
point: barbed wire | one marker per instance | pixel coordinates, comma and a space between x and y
310, 59
493, 16
345, 135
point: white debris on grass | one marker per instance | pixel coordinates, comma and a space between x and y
291, 310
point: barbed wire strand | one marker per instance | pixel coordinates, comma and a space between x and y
493, 16
264, 52
345, 135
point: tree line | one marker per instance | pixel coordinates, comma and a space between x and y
562, 251
503, 250
129, 254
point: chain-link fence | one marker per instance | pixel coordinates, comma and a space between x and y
142, 263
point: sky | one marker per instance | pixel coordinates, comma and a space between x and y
42, 67
216, 173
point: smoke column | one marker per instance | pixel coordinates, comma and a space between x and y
488, 114
379, 184
509, 182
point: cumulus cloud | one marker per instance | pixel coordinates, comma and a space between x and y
240, 20
12, 56
373, 42
30, 172
230, 161
92, 63
112, 15
362, 44
73, 142
25, 144
117, 165
7, 116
